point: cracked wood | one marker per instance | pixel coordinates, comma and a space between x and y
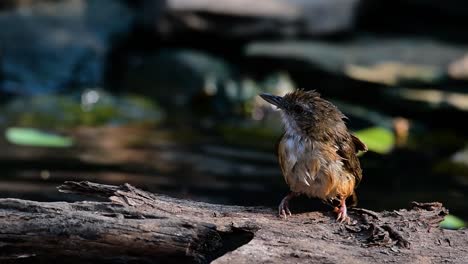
134, 226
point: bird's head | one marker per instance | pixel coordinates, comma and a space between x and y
305, 111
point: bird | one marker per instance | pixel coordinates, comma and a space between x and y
317, 153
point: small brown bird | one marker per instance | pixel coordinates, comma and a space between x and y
317, 153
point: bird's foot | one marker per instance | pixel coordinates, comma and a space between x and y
283, 208
342, 214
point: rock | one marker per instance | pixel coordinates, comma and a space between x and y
53, 45
387, 61
200, 83
185, 73
244, 18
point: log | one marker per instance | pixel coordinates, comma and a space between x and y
134, 226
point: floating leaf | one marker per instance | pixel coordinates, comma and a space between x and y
377, 139
452, 222
36, 138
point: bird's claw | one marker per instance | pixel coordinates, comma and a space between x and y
284, 212
342, 215
343, 218
283, 208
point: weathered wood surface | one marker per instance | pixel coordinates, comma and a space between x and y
134, 226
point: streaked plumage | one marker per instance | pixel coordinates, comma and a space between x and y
317, 153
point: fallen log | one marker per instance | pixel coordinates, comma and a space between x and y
134, 226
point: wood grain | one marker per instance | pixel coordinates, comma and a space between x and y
134, 226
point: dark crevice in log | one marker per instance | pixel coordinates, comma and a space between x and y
230, 241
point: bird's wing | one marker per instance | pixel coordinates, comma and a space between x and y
278, 142
309, 170
347, 150
283, 161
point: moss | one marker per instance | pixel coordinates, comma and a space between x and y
65, 111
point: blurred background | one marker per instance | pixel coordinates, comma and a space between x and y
163, 95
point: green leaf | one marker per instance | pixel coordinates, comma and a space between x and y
36, 138
377, 139
452, 222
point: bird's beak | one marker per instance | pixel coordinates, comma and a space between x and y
273, 99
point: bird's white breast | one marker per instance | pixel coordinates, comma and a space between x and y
299, 155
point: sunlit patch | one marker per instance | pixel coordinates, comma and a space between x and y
434, 97
89, 98
392, 73
45, 174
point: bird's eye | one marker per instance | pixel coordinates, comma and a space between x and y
298, 109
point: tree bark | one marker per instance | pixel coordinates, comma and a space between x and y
134, 226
